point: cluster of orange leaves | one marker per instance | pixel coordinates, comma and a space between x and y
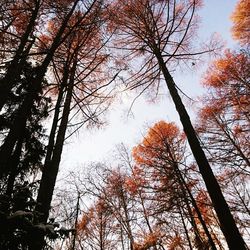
228, 78
230, 68
155, 141
134, 182
241, 20
21, 16
148, 241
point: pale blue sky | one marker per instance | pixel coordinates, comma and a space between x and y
95, 145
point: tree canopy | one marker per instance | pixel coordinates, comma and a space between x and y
63, 66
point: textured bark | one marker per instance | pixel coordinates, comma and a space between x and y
227, 222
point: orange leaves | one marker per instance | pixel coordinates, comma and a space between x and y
149, 240
228, 80
231, 67
44, 41
209, 111
85, 220
136, 181
20, 10
175, 242
241, 20
160, 131
131, 185
93, 215
160, 140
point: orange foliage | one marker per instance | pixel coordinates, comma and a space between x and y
161, 138
148, 241
144, 24
230, 68
228, 78
91, 215
175, 242
209, 111
131, 185
115, 183
85, 220
21, 14
241, 20
202, 200
136, 181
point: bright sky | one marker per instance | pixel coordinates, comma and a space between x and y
96, 145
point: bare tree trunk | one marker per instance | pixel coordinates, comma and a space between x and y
51, 168
227, 222
52, 135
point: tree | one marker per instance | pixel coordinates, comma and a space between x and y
24, 150
162, 32
15, 28
80, 86
108, 187
241, 23
223, 125
160, 157
34, 88
96, 228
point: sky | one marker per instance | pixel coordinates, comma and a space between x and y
122, 127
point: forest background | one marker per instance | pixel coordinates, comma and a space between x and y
87, 119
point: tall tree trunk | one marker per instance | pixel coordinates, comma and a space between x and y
227, 222
51, 167
52, 135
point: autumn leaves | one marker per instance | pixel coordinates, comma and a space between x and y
64, 62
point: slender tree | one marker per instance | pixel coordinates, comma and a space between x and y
82, 87
160, 154
163, 31
224, 120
